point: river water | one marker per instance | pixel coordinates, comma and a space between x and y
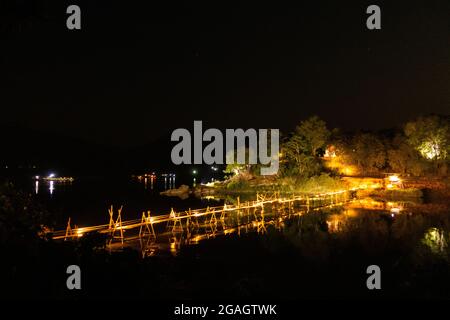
327, 249
372, 224
87, 200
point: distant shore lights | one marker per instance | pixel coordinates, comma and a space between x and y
51, 179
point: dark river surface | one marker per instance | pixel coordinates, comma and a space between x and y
87, 200
367, 222
329, 247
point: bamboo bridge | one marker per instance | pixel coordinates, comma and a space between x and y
198, 224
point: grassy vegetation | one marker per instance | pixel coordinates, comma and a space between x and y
238, 185
314, 184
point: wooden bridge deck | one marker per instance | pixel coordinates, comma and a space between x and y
176, 221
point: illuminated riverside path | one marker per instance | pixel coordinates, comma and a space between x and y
191, 226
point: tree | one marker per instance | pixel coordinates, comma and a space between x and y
403, 158
301, 149
429, 136
22, 226
314, 134
235, 169
238, 169
365, 151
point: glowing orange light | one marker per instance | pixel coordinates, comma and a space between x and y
394, 178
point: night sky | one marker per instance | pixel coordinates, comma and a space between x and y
135, 72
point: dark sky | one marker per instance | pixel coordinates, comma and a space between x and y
136, 71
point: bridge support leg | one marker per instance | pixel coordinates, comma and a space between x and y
69, 231
147, 221
115, 225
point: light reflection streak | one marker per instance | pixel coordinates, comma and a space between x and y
51, 187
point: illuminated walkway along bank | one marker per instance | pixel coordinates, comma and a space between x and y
230, 218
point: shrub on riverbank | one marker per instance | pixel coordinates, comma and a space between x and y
21, 218
238, 184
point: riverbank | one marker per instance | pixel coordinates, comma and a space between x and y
423, 189
252, 185
431, 189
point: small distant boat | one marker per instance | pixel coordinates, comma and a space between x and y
54, 178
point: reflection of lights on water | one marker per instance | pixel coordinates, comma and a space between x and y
395, 210
150, 179
169, 181
170, 185
51, 187
352, 213
36, 187
173, 246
